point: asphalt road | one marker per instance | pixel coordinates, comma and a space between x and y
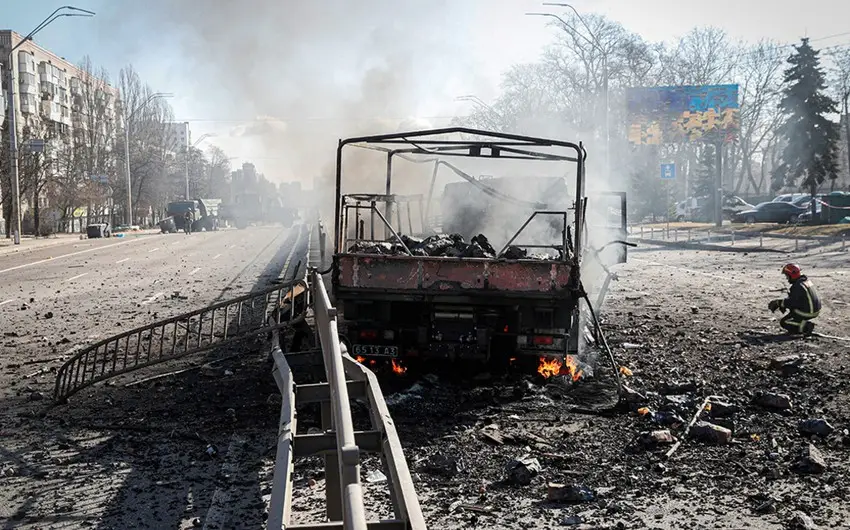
70, 294
57, 298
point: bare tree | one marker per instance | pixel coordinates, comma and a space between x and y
218, 183
149, 147
759, 75
840, 81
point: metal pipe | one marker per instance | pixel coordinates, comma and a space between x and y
354, 516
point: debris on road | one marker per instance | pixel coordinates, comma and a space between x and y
710, 433
801, 521
375, 477
818, 427
652, 439
522, 470
787, 364
810, 461
444, 465
773, 400
570, 493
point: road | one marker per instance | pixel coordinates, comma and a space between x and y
55, 299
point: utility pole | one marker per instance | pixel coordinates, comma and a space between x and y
13, 129
718, 194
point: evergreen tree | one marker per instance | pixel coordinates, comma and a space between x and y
810, 155
705, 182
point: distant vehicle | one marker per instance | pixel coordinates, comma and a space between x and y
253, 208
790, 197
770, 212
98, 230
204, 211
696, 208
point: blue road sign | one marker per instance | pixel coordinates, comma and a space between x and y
668, 171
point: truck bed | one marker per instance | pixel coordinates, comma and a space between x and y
442, 275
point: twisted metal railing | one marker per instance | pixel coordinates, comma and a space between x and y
204, 329
194, 332
339, 443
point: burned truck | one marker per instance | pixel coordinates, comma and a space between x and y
409, 290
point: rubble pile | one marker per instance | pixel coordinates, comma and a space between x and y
442, 245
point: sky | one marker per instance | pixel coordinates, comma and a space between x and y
318, 69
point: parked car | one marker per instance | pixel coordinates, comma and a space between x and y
770, 212
699, 208
98, 230
790, 197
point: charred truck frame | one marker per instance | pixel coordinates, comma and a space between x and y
408, 306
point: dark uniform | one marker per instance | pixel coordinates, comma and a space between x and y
802, 304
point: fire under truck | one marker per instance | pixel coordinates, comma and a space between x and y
400, 301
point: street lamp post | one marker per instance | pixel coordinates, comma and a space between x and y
128, 215
595, 43
13, 129
188, 153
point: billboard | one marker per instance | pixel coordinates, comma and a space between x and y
676, 114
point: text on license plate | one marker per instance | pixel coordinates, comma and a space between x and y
376, 351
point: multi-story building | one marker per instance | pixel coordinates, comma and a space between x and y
179, 137
53, 97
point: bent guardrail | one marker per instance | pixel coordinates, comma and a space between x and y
340, 444
197, 331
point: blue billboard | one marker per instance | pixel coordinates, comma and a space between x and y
676, 114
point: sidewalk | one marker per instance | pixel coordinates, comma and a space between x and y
29, 243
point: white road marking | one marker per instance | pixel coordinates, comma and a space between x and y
121, 261
214, 257
9, 301
218, 511
152, 298
72, 278
66, 255
194, 271
153, 250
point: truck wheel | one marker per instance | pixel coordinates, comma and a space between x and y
750, 220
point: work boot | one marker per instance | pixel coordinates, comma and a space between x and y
808, 328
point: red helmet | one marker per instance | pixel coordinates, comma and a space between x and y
792, 272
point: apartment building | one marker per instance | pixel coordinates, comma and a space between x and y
52, 95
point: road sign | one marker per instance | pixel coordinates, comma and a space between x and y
34, 145
668, 171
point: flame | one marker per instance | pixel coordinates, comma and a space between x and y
554, 366
398, 368
360, 359
571, 368
549, 367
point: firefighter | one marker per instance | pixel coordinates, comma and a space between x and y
802, 304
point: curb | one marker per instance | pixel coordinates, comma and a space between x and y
707, 246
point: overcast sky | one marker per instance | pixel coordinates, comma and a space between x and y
201, 50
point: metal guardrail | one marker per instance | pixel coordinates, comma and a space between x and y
340, 444
194, 332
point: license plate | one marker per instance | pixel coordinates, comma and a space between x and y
375, 351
